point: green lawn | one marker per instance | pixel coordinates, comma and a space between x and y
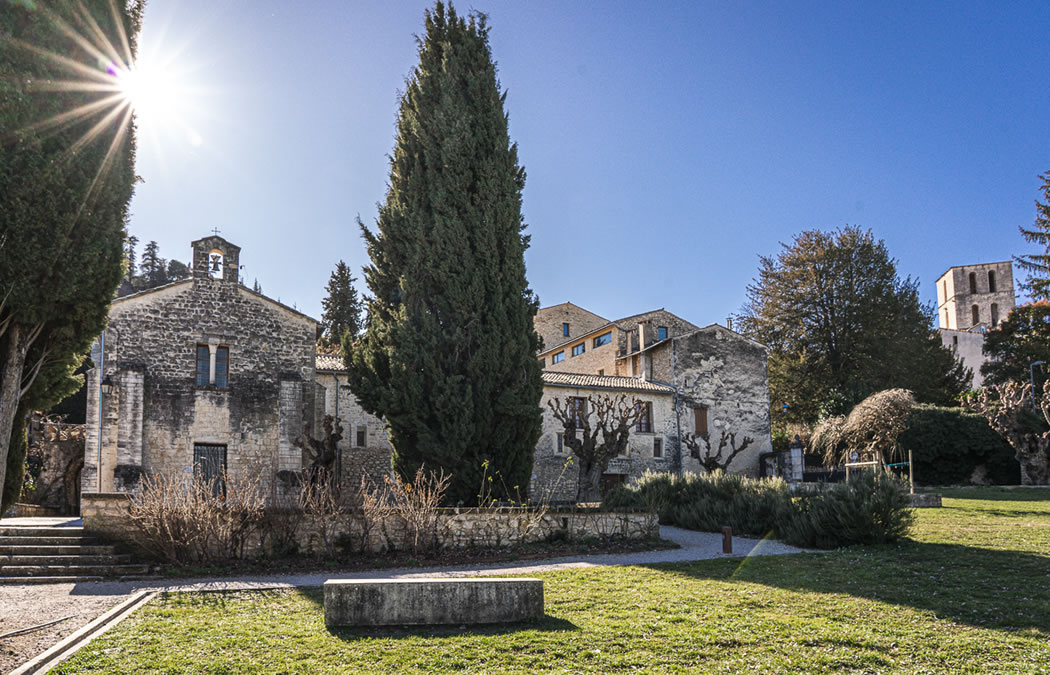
969, 593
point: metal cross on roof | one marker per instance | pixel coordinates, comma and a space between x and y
215, 230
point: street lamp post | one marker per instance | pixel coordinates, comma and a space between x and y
1031, 379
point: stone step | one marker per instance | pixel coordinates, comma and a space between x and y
97, 549
41, 531
71, 570
13, 581
76, 559
45, 541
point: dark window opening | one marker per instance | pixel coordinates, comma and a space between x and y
995, 315
203, 366
561, 443
558, 358
661, 333
543, 363
222, 366
362, 433
579, 349
209, 466
976, 315
973, 282
991, 281
565, 330
577, 411
658, 448
955, 341
645, 417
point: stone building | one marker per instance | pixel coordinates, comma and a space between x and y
972, 299
198, 376
697, 380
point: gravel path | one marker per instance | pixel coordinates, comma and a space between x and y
23, 606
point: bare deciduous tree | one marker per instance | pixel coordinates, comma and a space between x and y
596, 429
321, 452
1008, 409
712, 461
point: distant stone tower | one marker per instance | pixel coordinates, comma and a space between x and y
970, 296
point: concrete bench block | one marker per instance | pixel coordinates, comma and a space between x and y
414, 602
925, 500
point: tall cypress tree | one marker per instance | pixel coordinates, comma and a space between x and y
448, 355
1038, 264
342, 307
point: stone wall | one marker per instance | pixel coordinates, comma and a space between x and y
106, 515
549, 320
726, 373
969, 347
364, 450
156, 412
54, 458
591, 361
955, 301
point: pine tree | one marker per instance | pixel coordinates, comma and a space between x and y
1038, 264
130, 245
448, 354
257, 287
154, 268
342, 307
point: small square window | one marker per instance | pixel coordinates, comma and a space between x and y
362, 433
661, 333
579, 349
560, 447
601, 371
558, 358
565, 330
658, 448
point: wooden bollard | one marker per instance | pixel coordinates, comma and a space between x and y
727, 539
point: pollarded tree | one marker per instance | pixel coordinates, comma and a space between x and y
342, 307
597, 428
66, 176
1038, 264
841, 324
448, 354
1009, 410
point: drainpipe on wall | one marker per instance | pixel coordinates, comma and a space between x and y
338, 455
101, 370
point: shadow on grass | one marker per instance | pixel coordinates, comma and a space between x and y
1005, 590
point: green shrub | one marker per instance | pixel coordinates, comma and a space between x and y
947, 444
872, 508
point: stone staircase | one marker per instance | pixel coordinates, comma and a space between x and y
48, 555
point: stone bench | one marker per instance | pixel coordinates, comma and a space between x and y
413, 602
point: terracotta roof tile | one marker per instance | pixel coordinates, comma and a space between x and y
329, 362
584, 381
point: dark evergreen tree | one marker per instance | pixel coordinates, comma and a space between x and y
177, 270
841, 324
65, 182
342, 307
154, 268
257, 287
130, 245
1038, 264
448, 357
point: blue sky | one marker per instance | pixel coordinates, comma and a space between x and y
667, 145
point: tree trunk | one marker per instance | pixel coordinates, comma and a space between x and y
10, 388
1034, 460
590, 483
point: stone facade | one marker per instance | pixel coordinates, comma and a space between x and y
552, 324
972, 299
162, 358
972, 295
54, 459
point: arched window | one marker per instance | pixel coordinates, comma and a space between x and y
976, 315
995, 315
991, 285
973, 282
215, 263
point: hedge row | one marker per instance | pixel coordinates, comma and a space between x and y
949, 444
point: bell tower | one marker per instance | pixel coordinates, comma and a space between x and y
216, 258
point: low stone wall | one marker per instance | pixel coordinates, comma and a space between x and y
107, 515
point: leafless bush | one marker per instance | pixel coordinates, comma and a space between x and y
319, 500
417, 503
523, 516
373, 506
183, 520
870, 430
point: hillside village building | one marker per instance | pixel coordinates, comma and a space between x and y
972, 299
204, 375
